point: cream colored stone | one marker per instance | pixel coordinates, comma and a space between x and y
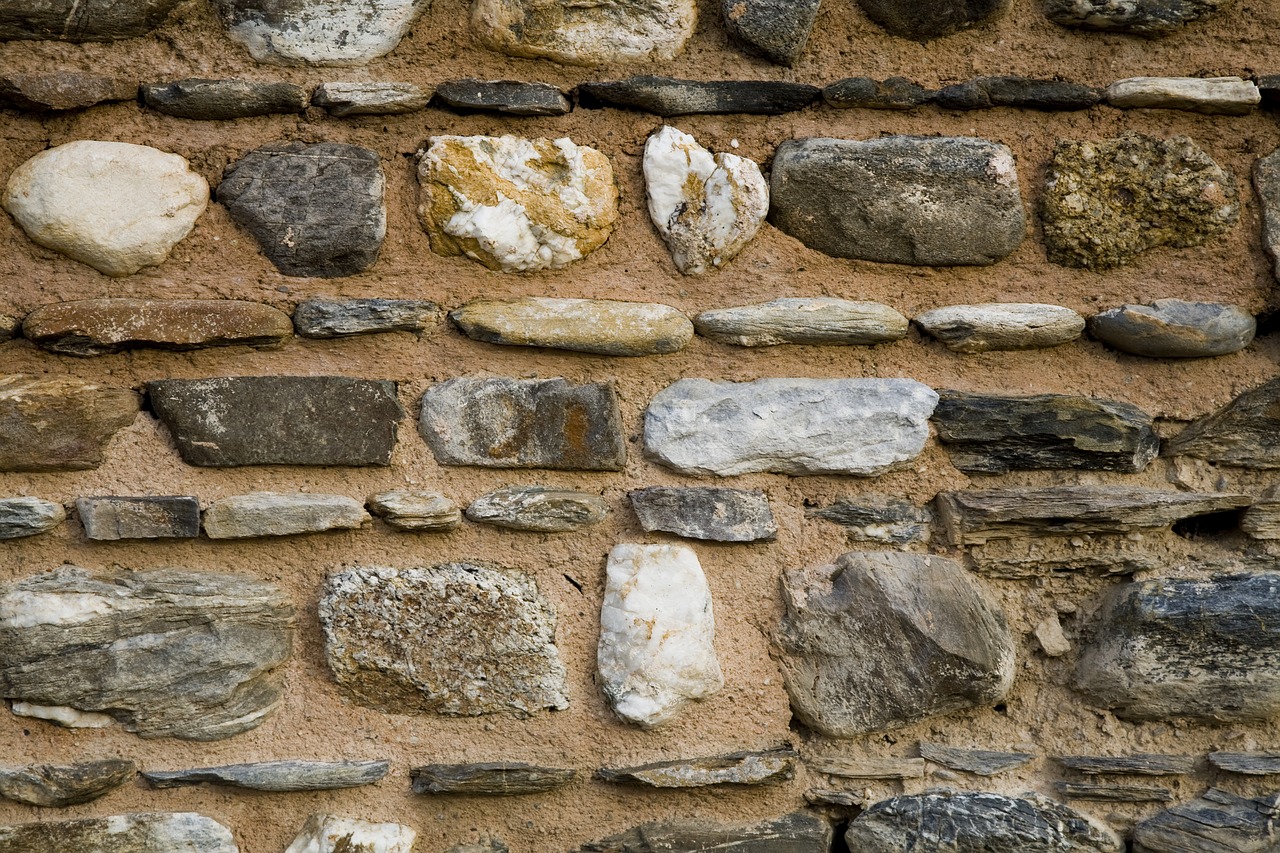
1212, 95
1053, 642
328, 834
603, 326
585, 32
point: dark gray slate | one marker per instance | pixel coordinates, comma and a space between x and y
1172, 328
922, 21
1137, 17
539, 509
893, 93
1115, 793
1266, 180
1247, 763
21, 517
1019, 92
774, 29
62, 90
1131, 765
719, 515
279, 420
223, 100
497, 779
1244, 432
111, 518
509, 97
338, 318
667, 96
524, 423
990, 434
769, 767
316, 210
276, 775
900, 199
49, 785
126, 833
980, 762
1215, 822
81, 20
794, 833
875, 518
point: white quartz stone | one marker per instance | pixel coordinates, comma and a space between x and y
329, 834
64, 716
1213, 95
656, 651
320, 32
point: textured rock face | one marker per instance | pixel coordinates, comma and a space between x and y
593, 32
657, 631
739, 768
718, 515
59, 424
600, 326
126, 833
508, 97
788, 426
329, 834
61, 90
670, 96
794, 833
1215, 822
980, 762
516, 204
146, 201
21, 517
1266, 180
456, 639
224, 100
370, 99
316, 210
894, 93
276, 775
1230, 96
910, 19
269, 514
53, 786
901, 199
1246, 431
165, 653
818, 320
1107, 202
114, 518
1139, 17
876, 518
539, 509
706, 208
1133, 765
339, 318
1187, 648
76, 20
774, 29
1026, 93
1172, 328
503, 780
407, 509
319, 32
878, 640
1001, 326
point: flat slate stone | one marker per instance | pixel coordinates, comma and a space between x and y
1247, 763
370, 98
318, 32
980, 762
270, 514
524, 423
61, 90
893, 93
1130, 765
123, 833
1244, 432
1115, 793
816, 320
539, 509
774, 29
78, 20
89, 327
876, 518
1214, 822
1021, 93
339, 318
1001, 326
868, 768
833, 797
509, 97
112, 518
900, 199
1137, 17
276, 775
1172, 328
60, 423
992, 434
58, 786
224, 100
716, 515
501, 779
416, 510
794, 833
1262, 520
279, 420
1230, 96
600, 326
21, 517
769, 767
910, 19
1266, 181
667, 96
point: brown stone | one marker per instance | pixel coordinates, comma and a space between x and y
60, 423
62, 90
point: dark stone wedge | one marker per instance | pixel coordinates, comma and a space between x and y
1115, 793
1019, 92
56, 786
794, 833
1247, 763
499, 779
893, 93
774, 29
112, 518
719, 515
923, 21
223, 100
739, 768
510, 97
1244, 432
339, 318
667, 96
1215, 822
1131, 765
1269, 87
875, 518
281, 776
980, 762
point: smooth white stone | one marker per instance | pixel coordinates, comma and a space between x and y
1212, 95
321, 32
330, 834
64, 716
1001, 326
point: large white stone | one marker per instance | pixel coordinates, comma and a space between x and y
114, 206
656, 651
707, 208
319, 32
585, 32
328, 834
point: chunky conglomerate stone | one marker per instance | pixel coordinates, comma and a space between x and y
122, 833
318, 32
590, 32
774, 29
162, 517
1173, 328
279, 776
58, 786
1244, 432
717, 515
600, 326
223, 100
62, 90
1138, 17
81, 20
59, 424
21, 517
668, 96
914, 20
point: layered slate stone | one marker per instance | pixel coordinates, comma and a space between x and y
55, 91
165, 653
1215, 822
980, 762
505, 97
455, 639
123, 833
799, 832
668, 96
318, 32
316, 210
89, 327
911, 20
1001, 326
878, 640
657, 632
1114, 793
1107, 202
340, 318
992, 434
867, 768
21, 517
599, 326
539, 509
276, 775
415, 510
1266, 180
770, 767
1173, 328
717, 515
270, 514
161, 517
1247, 763
524, 423
59, 424
901, 199
329, 834
863, 427
502, 779
1021, 93
1230, 96
1130, 765
279, 420
370, 98
1262, 520
145, 202
774, 29
1244, 432
58, 786
1137, 17
877, 518
817, 321
593, 32
893, 93
79, 21
223, 100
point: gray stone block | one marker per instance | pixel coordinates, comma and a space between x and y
717, 515
112, 518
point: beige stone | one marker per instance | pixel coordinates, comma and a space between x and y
587, 32
603, 326
1214, 95
59, 423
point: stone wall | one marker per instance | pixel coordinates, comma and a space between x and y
871, 442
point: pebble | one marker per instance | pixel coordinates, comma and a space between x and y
342, 99
1049, 635
414, 510
272, 514
1230, 96
815, 321
319, 32
1001, 326
340, 318
591, 32
505, 97
668, 96
599, 326
224, 100
1172, 328
21, 517
539, 509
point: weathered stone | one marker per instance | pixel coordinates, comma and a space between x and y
125, 833
223, 100
77, 20
1200, 649
145, 202
271, 514
88, 327
668, 96
538, 509
61, 90
524, 423
1244, 432
1262, 520
1213, 96
876, 518
980, 762
328, 834
819, 320
893, 93
338, 318
165, 653
990, 434
1001, 326
1138, 17
276, 775
112, 518
279, 420
59, 424
657, 630
1247, 763
706, 208
1018, 92
774, 29
901, 199
878, 640
515, 204
909, 19
863, 427
795, 833
1172, 328
10, 327
1105, 203
868, 767
406, 509
592, 32
770, 767
1266, 180
1115, 793
506, 97
1130, 765
1049, 634
1215, 822
370, 99
318, 32
601, 326
832, 797
21, 517
501, 779
718, 515
455, 639
49, 785
316, 210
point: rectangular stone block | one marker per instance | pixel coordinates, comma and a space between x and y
167, 517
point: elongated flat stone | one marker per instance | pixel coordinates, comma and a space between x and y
89, 327
224, 100
1247, 763
601, 326
342, 99
279, 420
1001, 326
56, 786
412, 509
1215, 822
509, 97
1230, 96
789, 426
818, 320
123, 833
318, 32
591, 32
1244, 432
1115, 793
113, 518
1266, 181
1131, 765
540, 509
62, 90
59, 424
980, 762
868, 767
21, 517
833, 797
893, 93
501, 779
79, 21
718, 515
276, 775
794, 833
774, 29
271, 514
1018, 92
339, 318
667, 96
329, 834
909, 19
876, 518
1150, 18
769, 767
1172, 328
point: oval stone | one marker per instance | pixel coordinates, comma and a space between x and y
1001, 326
1172, 328
820, 320
601, 326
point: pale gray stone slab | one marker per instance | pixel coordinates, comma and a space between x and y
1131, 765
1230, 96
718, 515
280, 776
815, 321
58, 786
1173, 328
868, 767
980, 762
600, 326
539, 509
1001, 326
271, 514
1247, 763
413, 509
769, 767
1114, 793
21, 517
376, 98
123, 833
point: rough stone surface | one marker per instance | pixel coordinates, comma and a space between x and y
524, 423
600, 326
910, 19
500, 779
1244, 432
339, 318
165, 653
1001, 326
456, 639
774, 29
1130, 765
89, 327
1215, 822
1053, 642
112, 518
342, 99
1114, 793
506, 97
1172, 328
1138, 17
224, 100
877, 518
1247, 763
409, 509
55, 786
1266, 180
878, 640
770, 767
793, 833
515, 204
126, 833
146, 201
316, 210
328, 834
59, 424
276, 775
77, 20
901, 199
657, 631
863, 427
10, 327
668, 96
279, 420
1230, 96
61, 90
1107, 202
270, 514
1262, 520
1018, 92
819, 320
540, 509
718, 515
318, 32
21, 517
990, 434
893, 93
593, 32
980, 762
